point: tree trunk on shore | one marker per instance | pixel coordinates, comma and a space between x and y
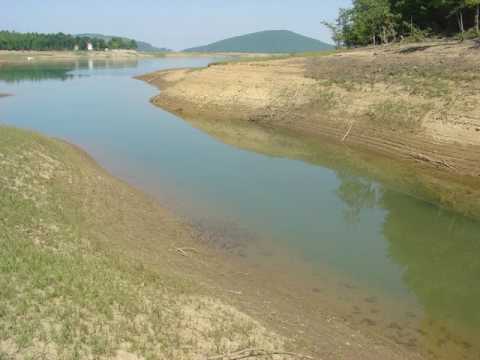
461, 28
385, 40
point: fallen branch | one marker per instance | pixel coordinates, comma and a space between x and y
251, 353
183, 251
348, 131
234, 292
436, 162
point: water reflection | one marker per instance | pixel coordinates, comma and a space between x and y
440, 254
438, 251
38, 72
357, 193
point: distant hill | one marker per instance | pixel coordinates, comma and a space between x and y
270, 41
142, 45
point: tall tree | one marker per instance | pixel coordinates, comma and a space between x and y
368, 21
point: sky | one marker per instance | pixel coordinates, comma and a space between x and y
174, 24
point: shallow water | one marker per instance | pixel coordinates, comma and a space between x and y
404, 251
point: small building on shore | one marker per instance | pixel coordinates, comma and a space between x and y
89, 46
76, 48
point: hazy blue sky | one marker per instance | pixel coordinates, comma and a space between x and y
174, 24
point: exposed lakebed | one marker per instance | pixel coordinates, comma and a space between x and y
390, 261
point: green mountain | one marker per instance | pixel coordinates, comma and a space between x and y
270, 41
141, 45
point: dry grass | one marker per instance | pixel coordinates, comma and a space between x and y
398, 114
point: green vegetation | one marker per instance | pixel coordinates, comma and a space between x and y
74, 279
384, 21
35, 41
273, 41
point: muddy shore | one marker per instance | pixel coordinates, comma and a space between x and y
414, 104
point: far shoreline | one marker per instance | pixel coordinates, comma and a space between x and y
31, 56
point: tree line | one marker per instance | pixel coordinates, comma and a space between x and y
383, 21
11, 40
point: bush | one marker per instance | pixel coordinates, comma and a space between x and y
468, 35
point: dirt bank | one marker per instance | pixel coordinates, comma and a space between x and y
75, 282
416, 104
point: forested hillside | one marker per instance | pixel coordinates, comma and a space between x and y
384, 21
10, 40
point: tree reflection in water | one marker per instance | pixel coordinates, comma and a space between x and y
440, 254
439, 251
357, 194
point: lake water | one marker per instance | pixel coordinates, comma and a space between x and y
422, 259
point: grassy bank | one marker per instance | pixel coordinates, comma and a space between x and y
76, 278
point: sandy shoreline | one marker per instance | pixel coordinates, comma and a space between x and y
396, 102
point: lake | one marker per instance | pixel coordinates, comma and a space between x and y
418, 263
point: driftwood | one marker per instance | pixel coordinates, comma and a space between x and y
184, 251
256, 353
348, 131
436, 162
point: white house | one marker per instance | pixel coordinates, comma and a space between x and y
89, 46
76, 48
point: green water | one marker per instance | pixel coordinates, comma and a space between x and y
321, 212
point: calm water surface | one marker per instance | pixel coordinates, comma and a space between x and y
401, 249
